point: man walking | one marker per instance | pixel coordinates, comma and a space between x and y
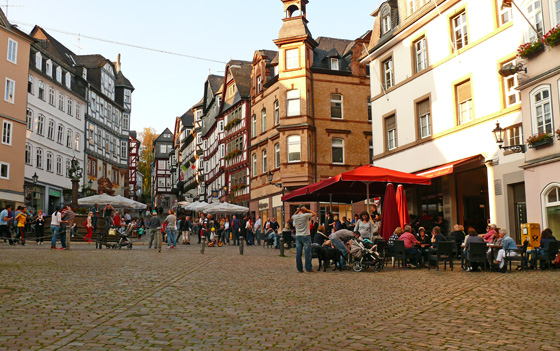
68, 220
235, 225
153, 226
95, 212
303, 239
257, 228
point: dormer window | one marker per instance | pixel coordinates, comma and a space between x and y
334, 64
49, 68
259, 84
67, 79
386, 23
38, 61
59, 74
84, 73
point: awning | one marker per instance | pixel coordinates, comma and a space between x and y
447, 168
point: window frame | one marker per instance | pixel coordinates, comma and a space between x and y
41, 125
39, 158
341, 147
49, 162
264, 161
293, 143
335, 64
390, 135
296, 102
12, 50
418, 117
7, 132
501, 11
254, 164
334, 105
28, 154
276, 112
290, 61
29, 119
60, 134
536, 18
7, 167
263, 120
462, 27
388, 72
459, 120
277, 155
41, 94
419, 65
10, 87
510, 91
534, 106
31, 85
254, 126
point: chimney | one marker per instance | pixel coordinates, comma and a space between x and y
118, 63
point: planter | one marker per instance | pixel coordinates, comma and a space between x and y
541, 143
537, 51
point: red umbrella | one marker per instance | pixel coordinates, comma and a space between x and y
355, 185
389, 213
402, 206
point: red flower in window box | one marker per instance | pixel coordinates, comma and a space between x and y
552, 37
530, 49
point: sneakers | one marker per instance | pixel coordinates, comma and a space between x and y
53, 247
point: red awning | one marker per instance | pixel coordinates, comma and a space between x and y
445, 169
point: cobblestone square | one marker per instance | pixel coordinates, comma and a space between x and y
139, 299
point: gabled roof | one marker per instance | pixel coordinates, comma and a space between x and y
122, 81
11, 27
187, 119
241, 71
215, 82
53, 47
161, 136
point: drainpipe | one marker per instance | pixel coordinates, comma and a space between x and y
315, 138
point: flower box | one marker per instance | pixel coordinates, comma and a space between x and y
541, 143
558, 133
530, 50
552, 37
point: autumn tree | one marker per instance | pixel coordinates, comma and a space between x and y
147, 137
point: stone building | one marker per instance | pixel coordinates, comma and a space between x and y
309, 113
14, 66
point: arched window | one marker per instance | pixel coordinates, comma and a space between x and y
49, 161
59, 74
38, 61
59, 165
69, 138
337, 151
50, 130
28, 153
551, 209
39, 158
541, 110
294, 148
49, 67
60, 134
40, 124
292, 11
29, 119
60, 102
77, 142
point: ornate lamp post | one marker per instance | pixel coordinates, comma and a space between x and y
34, 179
499, 137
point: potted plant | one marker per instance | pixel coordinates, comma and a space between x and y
530, 49
538, 140
552, 37
558, 133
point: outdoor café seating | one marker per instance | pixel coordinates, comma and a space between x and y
550, 254
444, 253
476, 254
520, 257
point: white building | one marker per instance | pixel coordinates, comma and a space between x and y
436, 97
55, 122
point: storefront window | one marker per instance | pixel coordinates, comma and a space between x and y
552, 204
34, 198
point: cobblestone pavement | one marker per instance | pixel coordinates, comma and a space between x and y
139, 299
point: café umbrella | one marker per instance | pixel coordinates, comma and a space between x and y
389, 213
402, 206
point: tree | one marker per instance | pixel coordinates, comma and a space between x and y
147, 136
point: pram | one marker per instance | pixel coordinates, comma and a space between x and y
365, 257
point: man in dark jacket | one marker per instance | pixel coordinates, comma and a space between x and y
153, 225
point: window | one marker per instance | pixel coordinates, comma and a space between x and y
556, 12
58, 165
254, 165
294, 148
551, 200
29, 119
7, 128
12, 51
292, 59
505, 13
28, 153
161, 182
77, 142
50, 130
124, 153
4, 170
60, 102
39, 160
420, 56
534, 14
334, 64
541, 111
40, 124
9, 93
386, 23
68, 167
391, 132
514, 135
49, 161
67, 80
264, 161
30, 87
49, 67
459, 26
263, 120
369, 110
69, 107
78, 112
163, 148
126, 120
371, 152
41, 90
464, 102
60, 134
512, 95
337, 148
293, 103
276, 155
276, 112
388, 73
424, 119
254, 126
59, 74
336, 106
38, 61
259, 84
411, 6
51, 96
69, 138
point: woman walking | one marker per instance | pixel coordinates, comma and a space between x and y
171, 222
56, 218
89, 227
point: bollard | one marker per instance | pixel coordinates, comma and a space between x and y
241, 242
281, 245
202, 244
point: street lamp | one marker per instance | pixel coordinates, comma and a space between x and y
510, 69
34, 179
499, 137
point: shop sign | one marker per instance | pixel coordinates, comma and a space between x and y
263, 204
498, 187
55, 193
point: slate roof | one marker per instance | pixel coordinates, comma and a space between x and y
216, 82
122, 81
242, 76
161, 137
53, 48
91, 61
187, 119
294, 28
333, 48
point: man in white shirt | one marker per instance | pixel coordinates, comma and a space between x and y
303, 239
257, 230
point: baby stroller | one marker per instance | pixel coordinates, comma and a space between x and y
124, 240
365, 257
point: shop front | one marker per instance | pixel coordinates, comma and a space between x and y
543, 196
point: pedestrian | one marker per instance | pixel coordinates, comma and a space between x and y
127, 218
171, 225
5, 218
89, 227
153, 225
235, 230
95, 212
68, 220
39, 227
56, 221
108, 214
227, 230
185, 230
21, 219
258, 228
303, 239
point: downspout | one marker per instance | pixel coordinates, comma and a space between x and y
315, 138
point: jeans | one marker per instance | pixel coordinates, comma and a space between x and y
258, 236
235, 236
172, 237
56, 230
225, 238
155, 237
275, 237
303, 243
342, 248
94, 222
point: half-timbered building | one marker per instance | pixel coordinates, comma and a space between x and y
162, 196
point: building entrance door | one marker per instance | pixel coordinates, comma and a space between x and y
472, 191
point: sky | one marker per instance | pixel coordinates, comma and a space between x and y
166, 85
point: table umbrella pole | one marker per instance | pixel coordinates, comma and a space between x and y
367, 194
330, 203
